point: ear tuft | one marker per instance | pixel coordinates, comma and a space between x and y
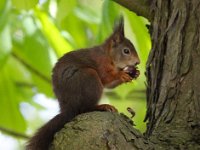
119, 26
118, 34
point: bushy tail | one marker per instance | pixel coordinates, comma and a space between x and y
44, 137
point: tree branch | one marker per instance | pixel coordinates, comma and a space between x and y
13, 133
31, 68
140, 7
100, 130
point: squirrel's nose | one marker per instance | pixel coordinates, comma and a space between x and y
137, 62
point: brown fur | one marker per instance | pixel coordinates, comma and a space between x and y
79, 78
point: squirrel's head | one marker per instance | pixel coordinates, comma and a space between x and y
121, 50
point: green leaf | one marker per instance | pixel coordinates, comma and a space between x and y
34, 55
64, 8
42, 86
77, 29
6, 44
11, 117
124, 89
109, 14
33, 51
36, 59
24, 4
87, 14
2, 4
21, 78
53, 35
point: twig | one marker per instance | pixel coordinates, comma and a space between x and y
140, 7
24, 84
13, 133
31, 68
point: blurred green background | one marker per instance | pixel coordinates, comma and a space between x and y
33, 35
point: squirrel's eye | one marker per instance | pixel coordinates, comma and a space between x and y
126, 51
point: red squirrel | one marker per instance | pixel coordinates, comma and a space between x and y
80, 76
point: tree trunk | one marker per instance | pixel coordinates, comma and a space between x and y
173, 75
173, 78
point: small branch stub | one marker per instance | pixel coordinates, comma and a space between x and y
140, 7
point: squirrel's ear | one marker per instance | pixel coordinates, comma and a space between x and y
118, 34
119, 26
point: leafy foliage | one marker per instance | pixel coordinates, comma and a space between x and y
34, 34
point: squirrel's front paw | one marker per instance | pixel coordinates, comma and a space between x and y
125, 77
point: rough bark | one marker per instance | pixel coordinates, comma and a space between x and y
173, 68
100, 131
173, 90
